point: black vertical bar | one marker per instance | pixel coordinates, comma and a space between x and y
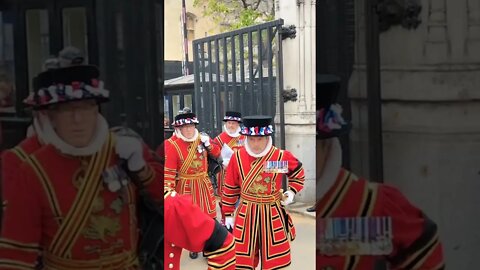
235, 96
139, 57
129, 78
374, 100
108, 65
280, 96
225, 71
210, 89
260, 73
196, 78
271, 87
159, 18
92, 39
217, 64
250, 70
203, 95
242, 76
55, 20
138, 68
170, 108
21, 59
185, 37
153, 110
182, 102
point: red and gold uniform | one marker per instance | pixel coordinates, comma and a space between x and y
413, 241
261, 222
235, 143
186, 168
13, 158
78, 224
76, 208
173, 137
361, 224
189, 228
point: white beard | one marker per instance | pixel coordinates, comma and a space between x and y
47, 134
179, 134
233, 135
263, 153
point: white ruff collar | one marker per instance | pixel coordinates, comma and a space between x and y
47, 134
36, 129
331, 169
180, 135
233, 135
263, 153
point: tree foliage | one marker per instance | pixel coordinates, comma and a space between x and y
235, 14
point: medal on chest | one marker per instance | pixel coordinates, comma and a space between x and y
114, 178
201, 152
273, 166
200, 149
355, 236
240, 143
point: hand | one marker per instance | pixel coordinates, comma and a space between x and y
229, 223
205, 140
131, 150
289, 198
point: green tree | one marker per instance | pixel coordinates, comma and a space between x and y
235, 14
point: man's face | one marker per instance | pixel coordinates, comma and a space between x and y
232, 126
75, 122
257, 144
188, 131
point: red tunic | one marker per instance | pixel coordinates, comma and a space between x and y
13, 158
187, 227
235, 143
183, 162
415, 243
261, 221
61, 205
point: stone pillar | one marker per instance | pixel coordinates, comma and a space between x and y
431, 111
299, 73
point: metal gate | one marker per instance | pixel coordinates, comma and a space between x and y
239, 70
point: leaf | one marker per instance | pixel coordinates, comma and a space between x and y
235, 14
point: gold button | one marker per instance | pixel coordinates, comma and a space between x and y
170, 266
173, 245
171, 255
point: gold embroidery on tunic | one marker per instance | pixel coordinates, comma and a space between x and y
258, 187
101, 226
98, 205
196, 163
117, 205
79, 175
4, 205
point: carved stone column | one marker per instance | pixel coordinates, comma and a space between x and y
472, 40
437, 45
299, 74
431, 106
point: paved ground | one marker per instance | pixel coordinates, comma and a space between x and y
303, 248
